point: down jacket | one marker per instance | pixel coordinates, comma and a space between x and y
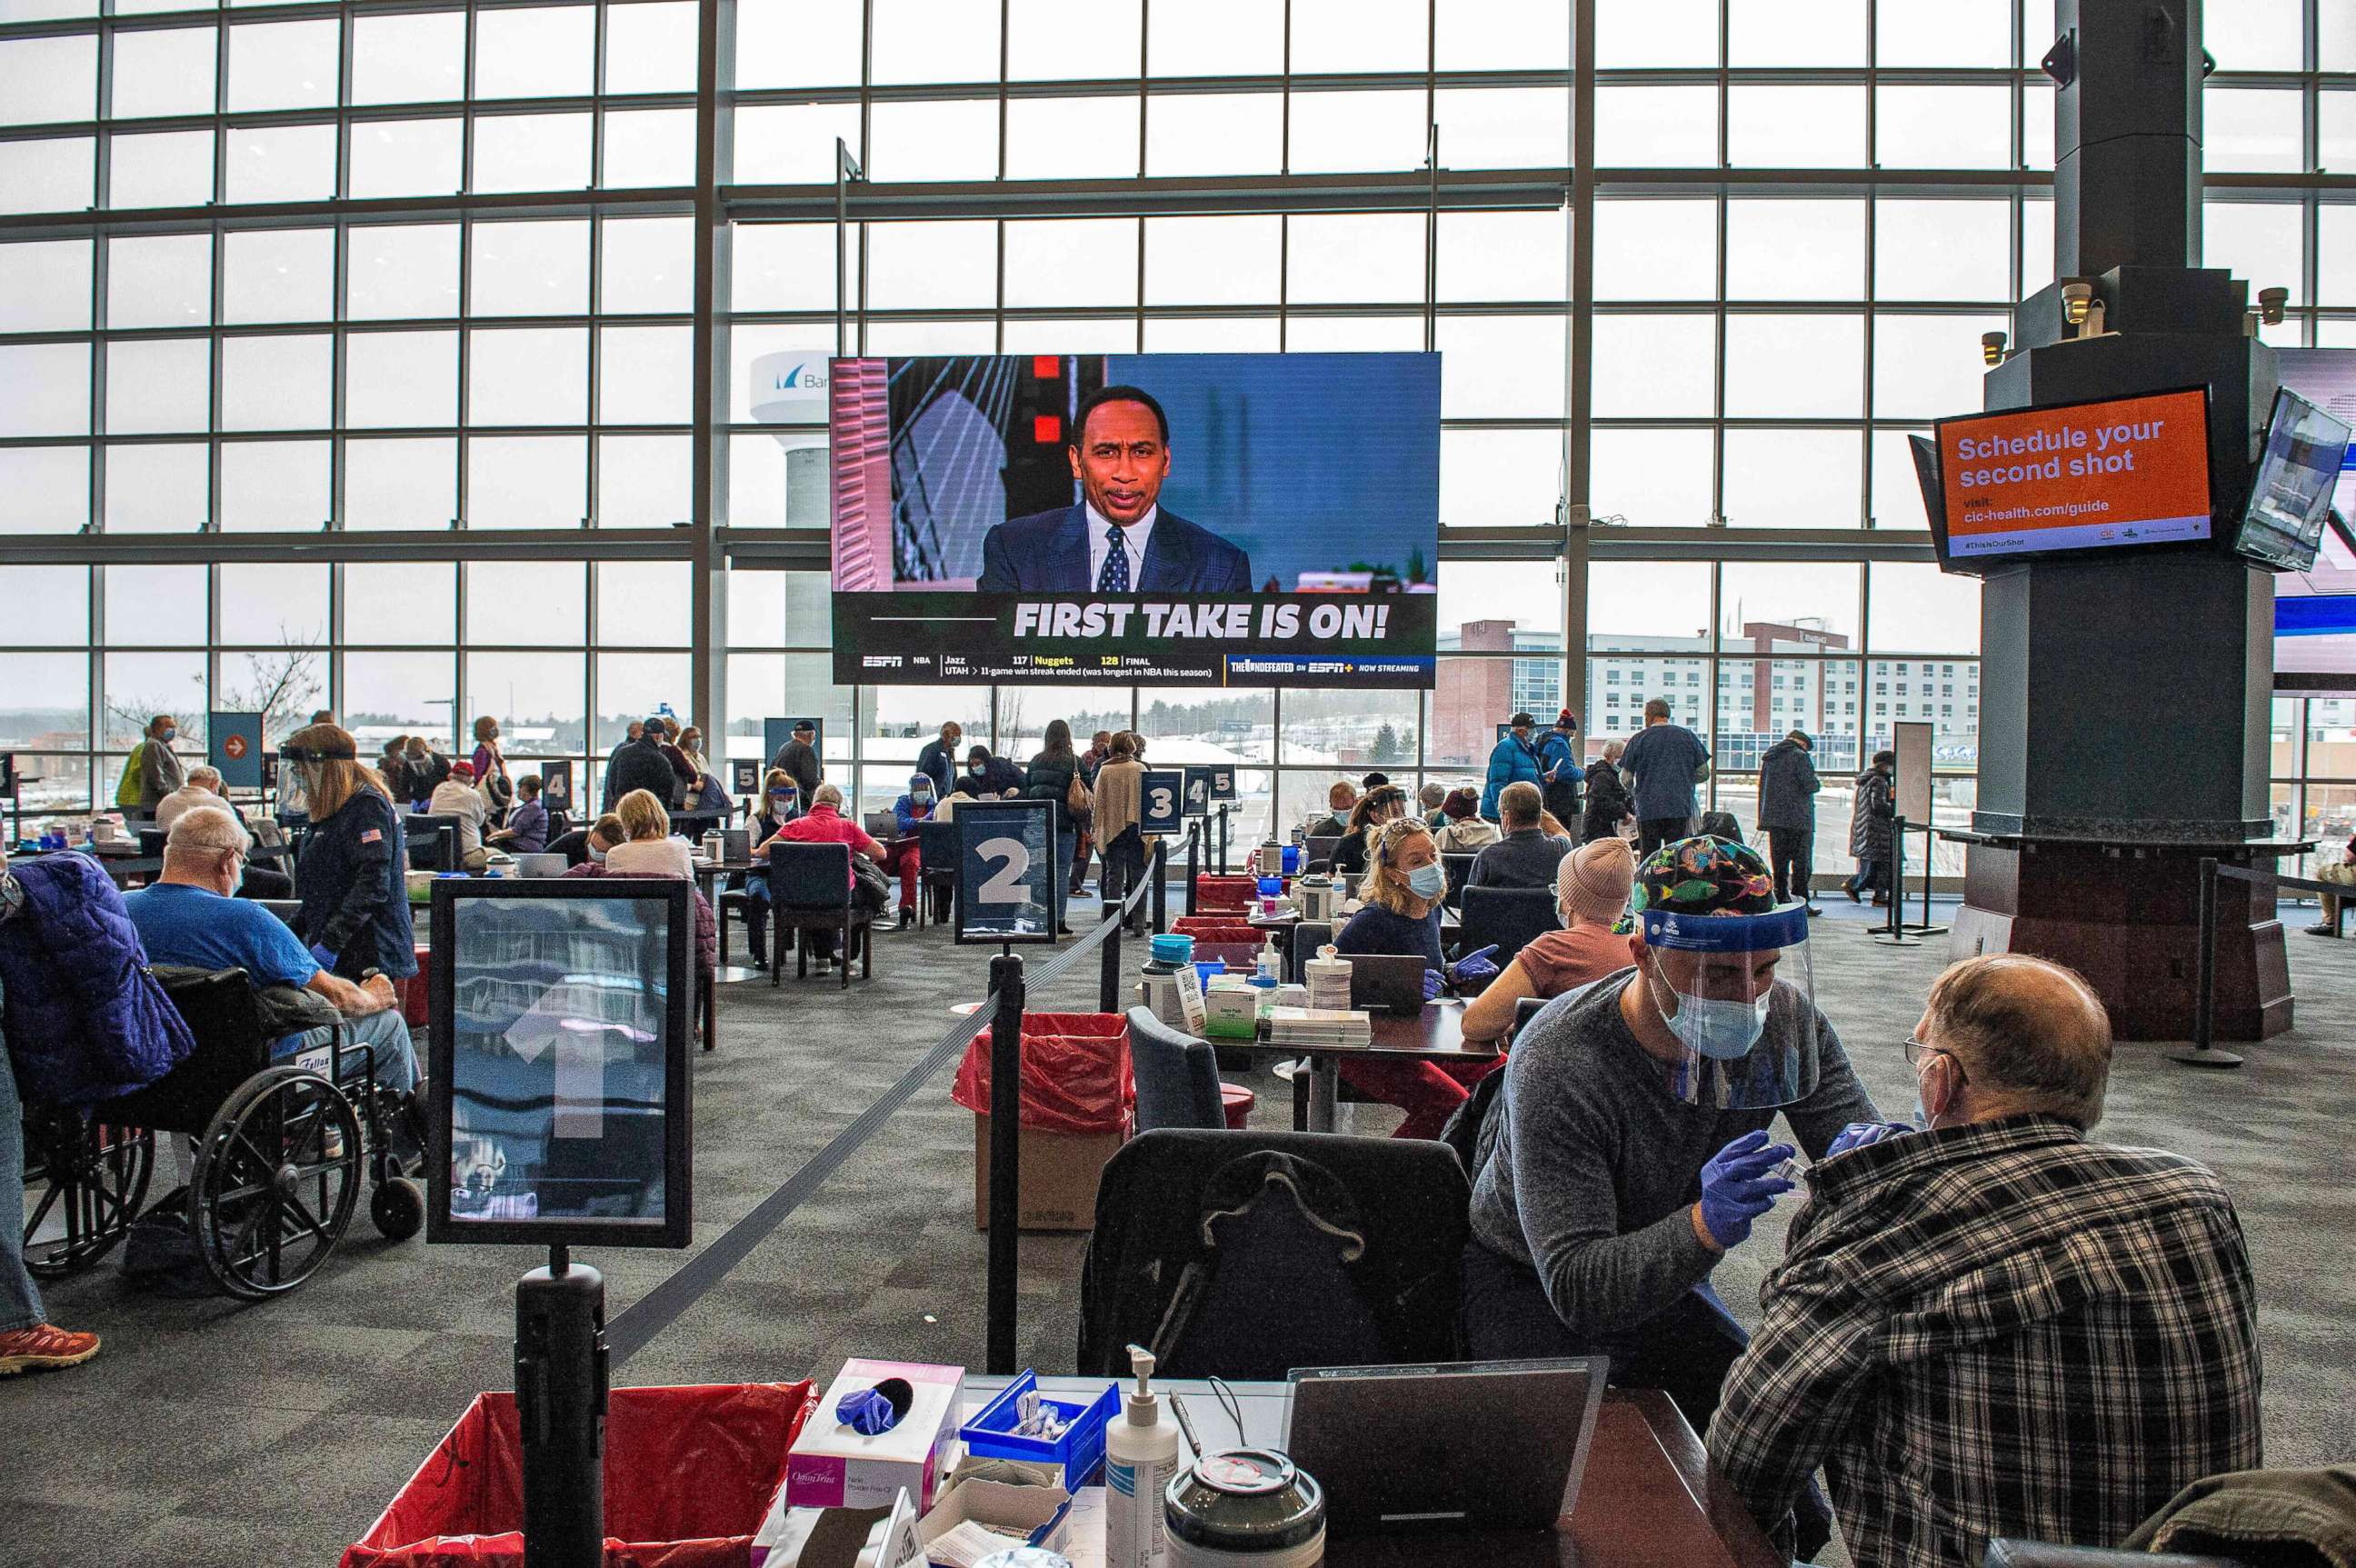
1511, 761
85, 1019
1871, 817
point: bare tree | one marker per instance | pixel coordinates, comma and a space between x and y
283, 685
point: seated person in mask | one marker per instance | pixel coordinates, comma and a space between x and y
906, 857
192, 917
1997, 1326
527, 829
584, 844
1629, 1150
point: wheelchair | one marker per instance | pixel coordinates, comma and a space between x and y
281, 1150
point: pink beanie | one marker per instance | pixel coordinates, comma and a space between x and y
1593, 880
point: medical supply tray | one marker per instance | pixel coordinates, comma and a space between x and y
1078, 1450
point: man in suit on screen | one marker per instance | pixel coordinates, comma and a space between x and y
1118, 540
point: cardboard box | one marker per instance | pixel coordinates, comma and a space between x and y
830, 1466
1060, 1172
1039, 1515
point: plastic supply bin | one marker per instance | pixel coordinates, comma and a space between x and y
1079, 1450
690, 1474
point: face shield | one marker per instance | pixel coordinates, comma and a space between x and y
1737, 993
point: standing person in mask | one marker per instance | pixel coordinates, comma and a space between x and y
937, 760
1629, 1151
909, 813
160, 771
1404, 889
355, 896
490, 766
780, 803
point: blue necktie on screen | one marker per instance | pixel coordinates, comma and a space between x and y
1114, 578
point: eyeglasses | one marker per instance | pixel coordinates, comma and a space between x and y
1914, 1049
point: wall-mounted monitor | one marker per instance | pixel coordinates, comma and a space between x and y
560, 1083
2116, 474
2290, 493
2315, 620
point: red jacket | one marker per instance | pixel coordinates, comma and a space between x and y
824, 824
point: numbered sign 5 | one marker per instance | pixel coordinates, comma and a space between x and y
1163, 801
1222, 784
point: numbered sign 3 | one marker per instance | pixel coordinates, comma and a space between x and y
1164, 803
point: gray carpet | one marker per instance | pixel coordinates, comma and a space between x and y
211, 1432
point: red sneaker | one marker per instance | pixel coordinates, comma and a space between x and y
43, 1348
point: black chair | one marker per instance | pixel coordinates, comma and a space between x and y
1509, 917
937, 863
1317, 851
1308, 935
1463, 1133
1177, 1076
433, 841
1253, 1305
1459, 869
810, 890
151, 842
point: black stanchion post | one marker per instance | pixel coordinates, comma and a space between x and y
1159, 896
1924, 927
1109, 975
1193, 861
1005, 1156
2204, 985
1894, 934
560, 1380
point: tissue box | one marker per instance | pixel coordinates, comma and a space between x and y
837, 1538
1231, 1012
831, 1465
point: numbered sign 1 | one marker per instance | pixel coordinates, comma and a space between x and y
1162, 803
1223, 783
1006, 871
1198, 791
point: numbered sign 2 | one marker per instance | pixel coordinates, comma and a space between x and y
1163, 801
1223, 783
1006, 872
1198, 791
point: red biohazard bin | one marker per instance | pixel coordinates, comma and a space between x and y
689, 1475
1077, 1091
1228, 927
1214, 894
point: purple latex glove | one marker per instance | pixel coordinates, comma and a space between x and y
1477, 968
1738, 1185
324, 959
1857, 1134
1431, 983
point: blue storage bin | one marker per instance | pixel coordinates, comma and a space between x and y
1079, 1451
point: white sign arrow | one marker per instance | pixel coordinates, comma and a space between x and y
567, 1018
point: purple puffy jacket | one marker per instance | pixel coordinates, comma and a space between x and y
85, 1019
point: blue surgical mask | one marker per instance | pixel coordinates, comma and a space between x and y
168, 737
1426, 881
920, 796
238, 881
1718, 1027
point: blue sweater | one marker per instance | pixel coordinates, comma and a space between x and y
1374, 929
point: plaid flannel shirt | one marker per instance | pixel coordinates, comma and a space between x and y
1996, 1329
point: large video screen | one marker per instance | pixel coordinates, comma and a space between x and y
1240, 519
2114, 474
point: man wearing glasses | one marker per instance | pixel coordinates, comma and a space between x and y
1992, 1326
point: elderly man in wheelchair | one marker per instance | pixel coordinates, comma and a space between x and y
192, 918
180, 1009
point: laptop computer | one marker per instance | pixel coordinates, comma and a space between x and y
541, 865
1460, 1445
1388, 983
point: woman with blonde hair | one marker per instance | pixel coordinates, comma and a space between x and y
353, 888
649, 850
1404, 888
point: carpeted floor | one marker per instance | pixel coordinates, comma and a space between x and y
211, 1432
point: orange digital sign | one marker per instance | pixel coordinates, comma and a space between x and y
2088, 476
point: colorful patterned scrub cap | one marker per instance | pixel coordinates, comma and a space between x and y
1704, 876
